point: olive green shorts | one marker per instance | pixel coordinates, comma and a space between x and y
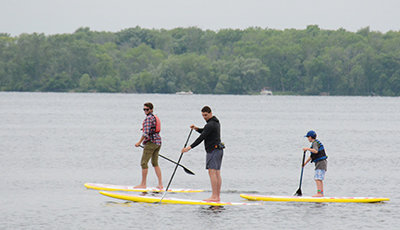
150, 151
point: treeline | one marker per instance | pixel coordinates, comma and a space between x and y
309, 62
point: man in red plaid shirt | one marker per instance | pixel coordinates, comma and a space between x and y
152, 144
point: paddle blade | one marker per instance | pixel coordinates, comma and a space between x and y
188, 171
298, 192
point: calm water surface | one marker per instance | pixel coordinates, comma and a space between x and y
53, 143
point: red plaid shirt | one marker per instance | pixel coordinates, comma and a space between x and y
149, 128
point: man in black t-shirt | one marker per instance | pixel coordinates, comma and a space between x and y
211, 134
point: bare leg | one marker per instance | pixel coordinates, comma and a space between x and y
144, 179
216, 182
320, 187
157, 169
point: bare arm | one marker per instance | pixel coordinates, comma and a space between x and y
140, 141
308, 160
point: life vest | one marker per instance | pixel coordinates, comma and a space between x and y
158, 124
321, 153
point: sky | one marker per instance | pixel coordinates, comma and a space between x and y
65, 16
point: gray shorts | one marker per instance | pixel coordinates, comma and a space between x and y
319, 174
214, 159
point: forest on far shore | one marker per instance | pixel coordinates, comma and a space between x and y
312, 61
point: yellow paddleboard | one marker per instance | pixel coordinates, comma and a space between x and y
169, 200
112, 187
315, 199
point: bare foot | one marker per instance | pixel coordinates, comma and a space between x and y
318, 195
160, 187
140, 186
213, 199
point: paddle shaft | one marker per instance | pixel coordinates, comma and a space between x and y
299, 193
176, 166
184, 168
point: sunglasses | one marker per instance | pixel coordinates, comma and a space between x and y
146, 109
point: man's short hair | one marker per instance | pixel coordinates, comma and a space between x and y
149, 105
206, 109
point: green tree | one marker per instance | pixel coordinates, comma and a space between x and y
105, 66
308, 61
57, 83
223, 84
108, 84
141, 82
85, 83
247, 75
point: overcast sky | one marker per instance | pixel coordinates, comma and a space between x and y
65, 16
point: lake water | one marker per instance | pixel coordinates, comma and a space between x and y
53, 143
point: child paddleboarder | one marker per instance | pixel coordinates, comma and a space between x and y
317, 156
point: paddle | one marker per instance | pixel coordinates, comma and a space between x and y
184, 168
298, 192
170, 180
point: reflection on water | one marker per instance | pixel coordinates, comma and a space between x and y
212, 209
118, 204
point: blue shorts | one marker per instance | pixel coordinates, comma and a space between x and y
214, 159
319, 174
